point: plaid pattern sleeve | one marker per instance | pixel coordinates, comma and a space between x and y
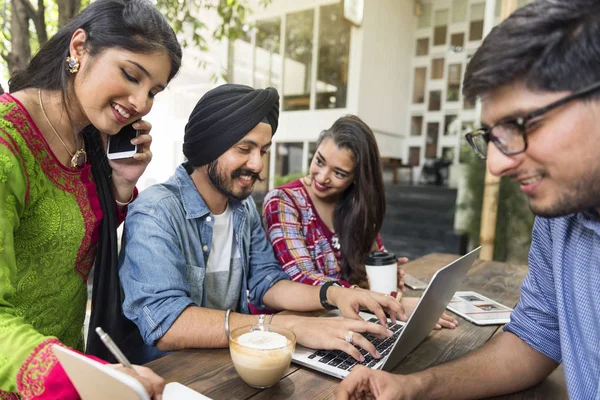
299, 245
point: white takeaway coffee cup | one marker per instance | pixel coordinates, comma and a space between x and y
382, 272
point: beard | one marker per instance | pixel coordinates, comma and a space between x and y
581, 195
224, 183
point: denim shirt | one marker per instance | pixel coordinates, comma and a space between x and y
165, 247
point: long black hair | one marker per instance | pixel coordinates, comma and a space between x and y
358, 216
136, 26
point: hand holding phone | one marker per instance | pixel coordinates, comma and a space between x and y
119, 145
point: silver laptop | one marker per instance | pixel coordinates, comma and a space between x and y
444, 283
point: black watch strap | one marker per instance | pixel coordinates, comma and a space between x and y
323, 295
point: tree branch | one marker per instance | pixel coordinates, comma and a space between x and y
29, 9
40, 23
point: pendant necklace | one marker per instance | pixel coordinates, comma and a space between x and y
79, 158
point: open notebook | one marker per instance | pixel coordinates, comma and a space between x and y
95, 381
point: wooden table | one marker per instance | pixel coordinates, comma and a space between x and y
212, 373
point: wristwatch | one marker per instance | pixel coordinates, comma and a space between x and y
323, 295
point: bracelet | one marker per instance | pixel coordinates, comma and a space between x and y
270, 319
125, 204
227, 323
323, 295
261, 319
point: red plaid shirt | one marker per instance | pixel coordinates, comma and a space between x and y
301, 240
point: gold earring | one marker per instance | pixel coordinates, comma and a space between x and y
72, 64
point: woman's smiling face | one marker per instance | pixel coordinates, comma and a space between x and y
331, 170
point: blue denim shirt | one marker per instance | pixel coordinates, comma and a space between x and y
165, 247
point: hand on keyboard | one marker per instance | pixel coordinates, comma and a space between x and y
333, 334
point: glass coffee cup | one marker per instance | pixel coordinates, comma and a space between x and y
261, 354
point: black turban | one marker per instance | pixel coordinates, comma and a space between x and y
223, 116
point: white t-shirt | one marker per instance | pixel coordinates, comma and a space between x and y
223, 268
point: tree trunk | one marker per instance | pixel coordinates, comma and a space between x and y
21, 50
67, 9
39, 21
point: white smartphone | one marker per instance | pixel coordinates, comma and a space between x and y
119, 145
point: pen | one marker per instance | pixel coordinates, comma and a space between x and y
112, 347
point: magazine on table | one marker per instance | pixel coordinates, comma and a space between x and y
479, 309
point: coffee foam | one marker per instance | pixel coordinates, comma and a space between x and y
262, 340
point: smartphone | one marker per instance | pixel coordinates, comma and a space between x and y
119, 145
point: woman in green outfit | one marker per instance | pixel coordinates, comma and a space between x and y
61, 199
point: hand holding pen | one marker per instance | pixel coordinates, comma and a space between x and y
153, 384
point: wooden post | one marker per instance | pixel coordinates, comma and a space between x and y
489, 209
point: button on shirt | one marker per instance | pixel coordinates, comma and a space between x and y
559, 310
166, 245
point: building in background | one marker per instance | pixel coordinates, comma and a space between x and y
399, 67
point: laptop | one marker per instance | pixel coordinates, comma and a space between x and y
407, 335
96, 381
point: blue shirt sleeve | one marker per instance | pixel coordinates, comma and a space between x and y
535, 319
265, 270
152, 272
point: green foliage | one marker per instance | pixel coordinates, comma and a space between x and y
184, 16
282, 180
515, 220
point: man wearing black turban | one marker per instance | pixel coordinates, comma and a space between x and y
195, 260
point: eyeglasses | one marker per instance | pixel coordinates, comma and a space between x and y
509, 135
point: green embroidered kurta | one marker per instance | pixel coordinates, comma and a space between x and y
49, 220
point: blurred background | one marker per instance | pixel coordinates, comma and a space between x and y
397, 64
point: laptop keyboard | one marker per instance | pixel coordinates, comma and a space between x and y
341, 360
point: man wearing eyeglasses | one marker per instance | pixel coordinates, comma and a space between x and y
538, 77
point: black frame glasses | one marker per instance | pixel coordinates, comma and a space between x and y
515, 129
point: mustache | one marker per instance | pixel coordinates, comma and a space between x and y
244, 171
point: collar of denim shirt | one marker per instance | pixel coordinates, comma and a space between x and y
590, 219
193, 202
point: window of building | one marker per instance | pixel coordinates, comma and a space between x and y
450, 125
435, 100
468, 104
241, 56
448, 153
288, 159
267, 63
459, 11
422, 46
414, 156
298, 60
334, 50
425, 17
416, 125
476, 25
498, 9
441, 27
419, 85
454, 76
312, 149
457, 42
432, 139
437, 68
466, 127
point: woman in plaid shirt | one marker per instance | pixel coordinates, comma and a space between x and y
322, 225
